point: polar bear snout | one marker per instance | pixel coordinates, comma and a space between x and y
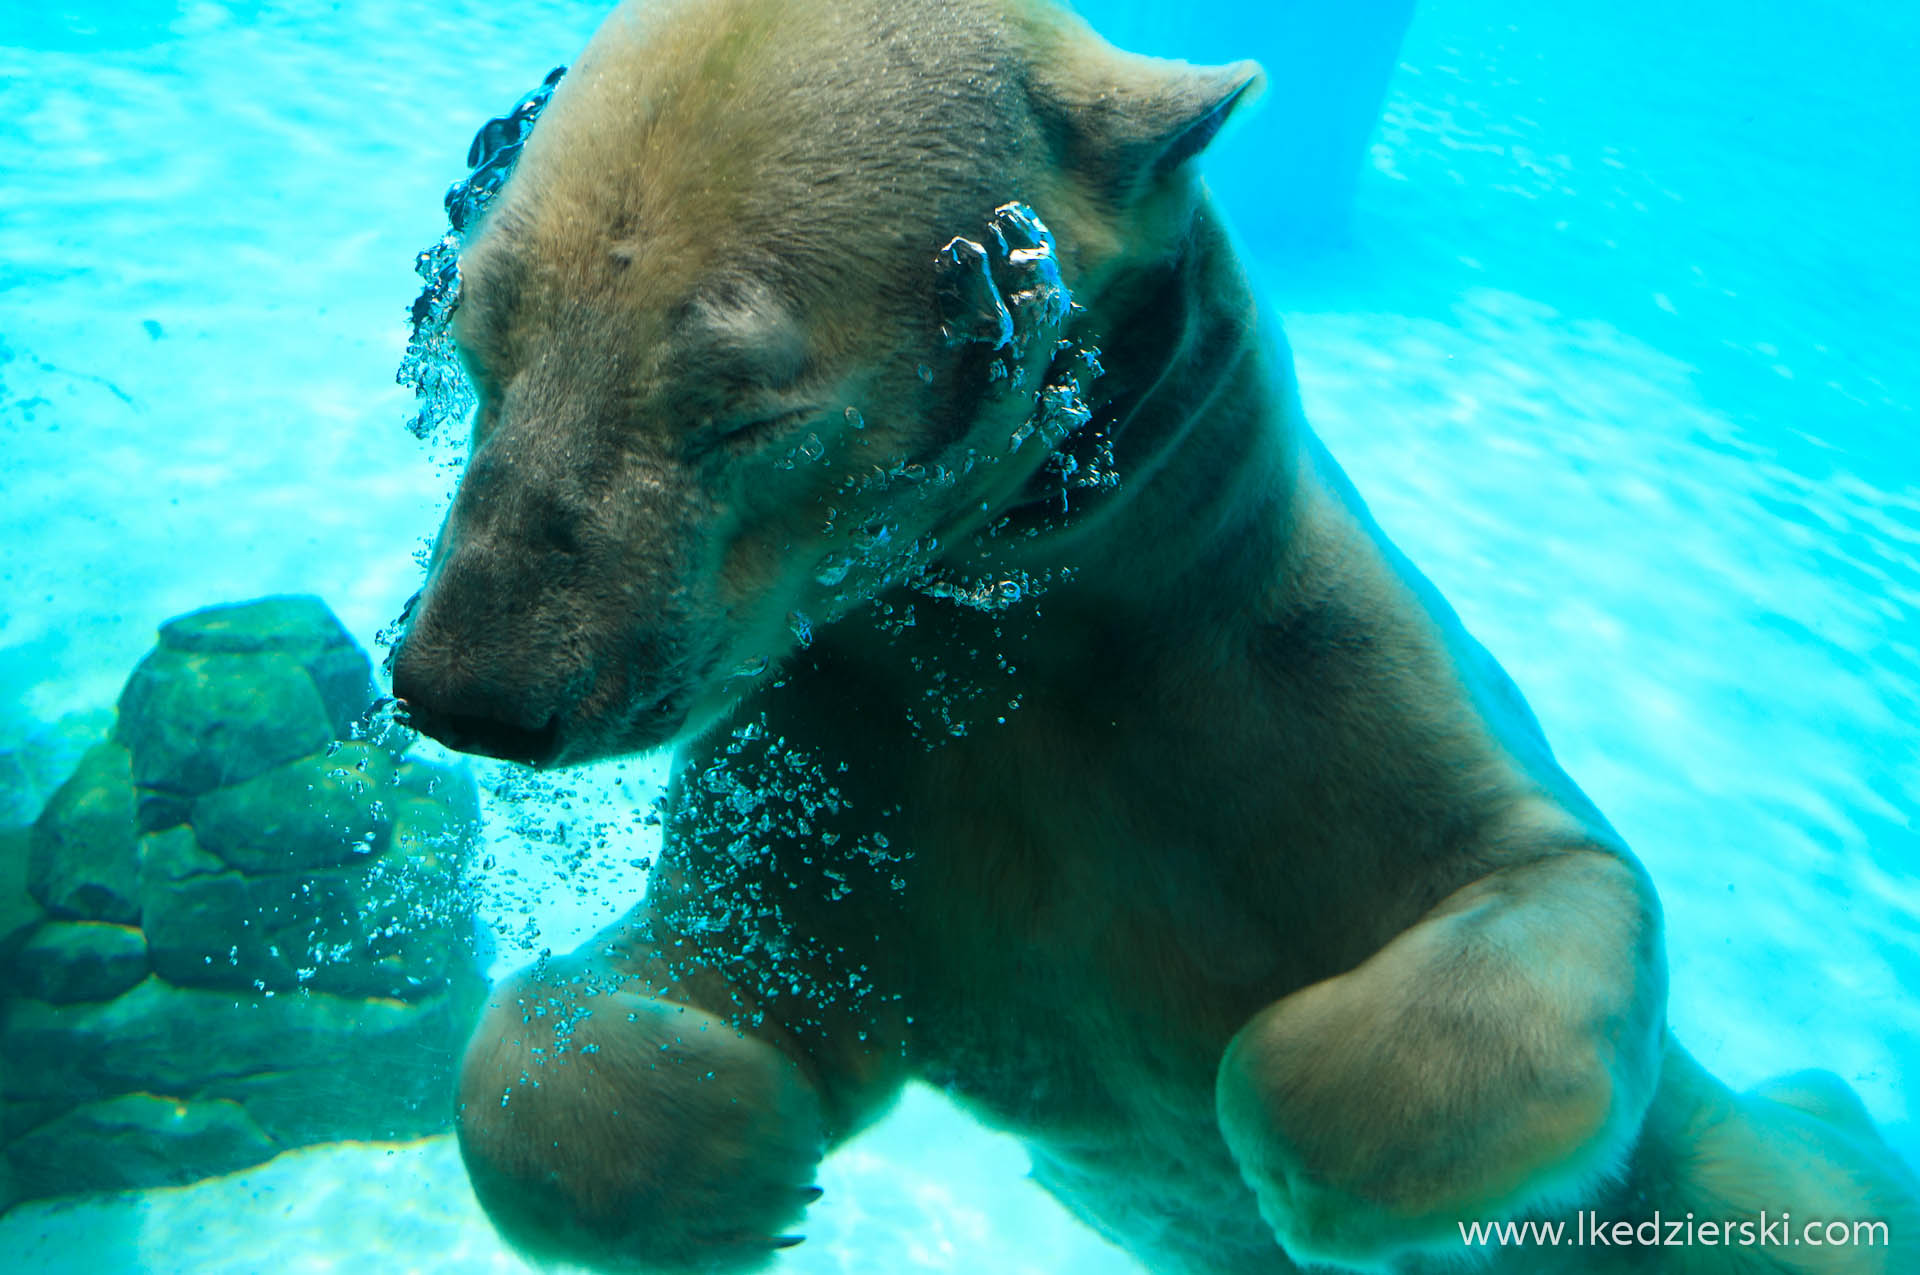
482, 734
538, 712
476, 710
505, 668
559, 621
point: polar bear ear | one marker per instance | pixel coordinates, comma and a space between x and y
1126, 124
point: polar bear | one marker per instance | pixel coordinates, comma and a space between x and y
1070, 739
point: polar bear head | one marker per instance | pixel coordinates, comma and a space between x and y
762, 322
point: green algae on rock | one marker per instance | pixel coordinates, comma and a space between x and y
234, 928
83, 863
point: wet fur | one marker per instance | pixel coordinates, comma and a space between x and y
1267, 918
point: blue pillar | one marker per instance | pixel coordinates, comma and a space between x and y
1288, 173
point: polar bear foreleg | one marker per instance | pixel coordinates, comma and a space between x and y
618, 1111
1495, 1058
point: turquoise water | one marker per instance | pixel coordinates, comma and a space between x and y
1620, 352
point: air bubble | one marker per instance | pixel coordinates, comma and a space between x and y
430, 368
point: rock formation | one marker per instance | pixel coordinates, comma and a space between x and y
234, 928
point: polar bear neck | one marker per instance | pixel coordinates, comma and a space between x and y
1199, 405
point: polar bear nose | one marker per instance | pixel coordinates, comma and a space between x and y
487, 736
470, 715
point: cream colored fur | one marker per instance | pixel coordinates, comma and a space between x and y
1266, 917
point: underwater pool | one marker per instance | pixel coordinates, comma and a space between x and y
1619, 349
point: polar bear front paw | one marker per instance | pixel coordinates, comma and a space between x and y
625, 1132
1494, 1059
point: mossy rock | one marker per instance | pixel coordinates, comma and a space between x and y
171, 856
69, 961
383, 1099
134, 1141
381, 930
394, 1089
19, 912
18, 1117
318, 812
298, 627
83, 861
435, 837
198, 721
327, 874
287, 624
160, 1038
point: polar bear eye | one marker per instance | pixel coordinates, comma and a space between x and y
740, 336
750, 429
759, 425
